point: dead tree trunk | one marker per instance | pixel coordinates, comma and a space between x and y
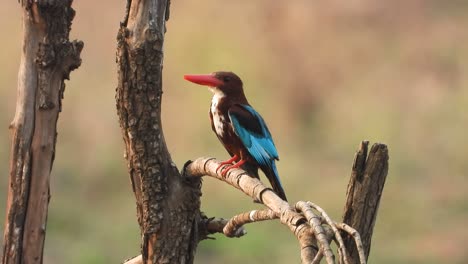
167, 205
365, 189
47, 59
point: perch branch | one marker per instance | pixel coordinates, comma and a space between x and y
311, 225
259, 192
297, 223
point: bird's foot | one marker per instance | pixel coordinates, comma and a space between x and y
226, 162
237, 165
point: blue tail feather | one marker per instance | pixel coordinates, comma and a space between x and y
273, 177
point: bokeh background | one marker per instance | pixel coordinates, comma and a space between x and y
324, 74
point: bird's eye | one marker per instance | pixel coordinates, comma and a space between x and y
226, 79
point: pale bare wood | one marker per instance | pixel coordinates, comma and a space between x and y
47, 59
255, 189
316, 223
231, 229
305, 227
325, 218
357, 240
303, 222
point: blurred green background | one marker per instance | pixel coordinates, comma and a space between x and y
324, 74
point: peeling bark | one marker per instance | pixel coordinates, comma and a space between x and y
47, 59
168, 206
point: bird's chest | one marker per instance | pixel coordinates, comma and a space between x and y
219, 120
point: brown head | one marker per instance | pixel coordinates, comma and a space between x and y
221, 83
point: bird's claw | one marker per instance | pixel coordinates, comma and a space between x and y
227, 162
233, 166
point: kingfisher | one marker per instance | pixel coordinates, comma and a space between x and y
241, 129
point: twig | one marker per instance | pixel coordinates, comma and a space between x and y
208, 226
318, 257
331, 223
235, 223
315, 221
357, 240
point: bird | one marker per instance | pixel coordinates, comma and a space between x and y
240, 128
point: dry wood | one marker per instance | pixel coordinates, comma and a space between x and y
236, 222
168, 206
303, 222
364, 192
310, 228
48, 58
220, 225
337, 235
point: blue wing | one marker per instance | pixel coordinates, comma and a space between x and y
250, 127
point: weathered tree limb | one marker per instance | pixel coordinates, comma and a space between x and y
48, 58
316, 223
341, 247
168, 206
306, 225
357, 240
363, 196
236, 222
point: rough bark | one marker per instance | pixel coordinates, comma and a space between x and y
168, 206
47, 59
364, 192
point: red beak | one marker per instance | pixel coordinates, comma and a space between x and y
203, 79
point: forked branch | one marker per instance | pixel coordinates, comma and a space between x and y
309, 223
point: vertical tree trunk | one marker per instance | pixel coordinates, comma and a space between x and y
363, 195
167, 205
47, 59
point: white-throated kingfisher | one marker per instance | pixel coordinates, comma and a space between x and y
240, 128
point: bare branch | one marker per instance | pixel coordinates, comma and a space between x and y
259, 192
318, 257
316, 223
235, 223
307, 226
217, 225
239, 179
331, 223
357, 240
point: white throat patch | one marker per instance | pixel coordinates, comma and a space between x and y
218, 118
